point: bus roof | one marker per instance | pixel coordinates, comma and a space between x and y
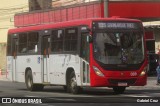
66, 24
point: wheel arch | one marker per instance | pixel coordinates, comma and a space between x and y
68, 72
29, 78
27, 69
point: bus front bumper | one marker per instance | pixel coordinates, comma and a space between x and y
114, 81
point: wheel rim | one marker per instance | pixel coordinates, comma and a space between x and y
29, 82
73, 84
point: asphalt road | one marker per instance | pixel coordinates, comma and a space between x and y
90, 96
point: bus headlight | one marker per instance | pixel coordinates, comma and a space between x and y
98, 72
144, 71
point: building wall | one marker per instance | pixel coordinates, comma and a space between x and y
7, 10
157, 39
3, 56
56, 3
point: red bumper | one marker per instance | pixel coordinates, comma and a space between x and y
113, 81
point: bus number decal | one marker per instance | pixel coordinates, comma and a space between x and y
133, 74
38, 60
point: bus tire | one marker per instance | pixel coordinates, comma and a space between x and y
39, 87
65, 87
73, 88
29, 82
119, 90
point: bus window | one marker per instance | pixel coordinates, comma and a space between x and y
70, 40
22, 43
14, 47
9, 45
85, 47
33, 38
57, 41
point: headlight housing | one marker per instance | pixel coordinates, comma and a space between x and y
97, 71
143, 72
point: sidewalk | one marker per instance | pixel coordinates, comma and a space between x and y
3, 78
151, 84
152, 81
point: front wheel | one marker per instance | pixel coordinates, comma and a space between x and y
119, 90
73, 88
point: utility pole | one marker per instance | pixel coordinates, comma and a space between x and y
106, 11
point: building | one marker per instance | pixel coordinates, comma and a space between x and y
7, 10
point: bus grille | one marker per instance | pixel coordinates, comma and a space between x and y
128, 81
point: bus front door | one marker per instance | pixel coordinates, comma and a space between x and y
14, 55
45, 50
85, 59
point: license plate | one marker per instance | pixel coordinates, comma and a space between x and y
122, 84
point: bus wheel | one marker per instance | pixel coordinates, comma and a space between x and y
38, 87
29, 83
65, 88
73, 88
119, 90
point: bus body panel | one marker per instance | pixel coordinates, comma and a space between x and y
29, 62
9, 68
116, 76
85, 70
66, 24
59, 63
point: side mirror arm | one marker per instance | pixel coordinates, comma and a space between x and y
89, 38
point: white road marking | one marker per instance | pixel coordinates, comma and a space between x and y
62, 99
135, 95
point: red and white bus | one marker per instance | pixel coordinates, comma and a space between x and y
98, 52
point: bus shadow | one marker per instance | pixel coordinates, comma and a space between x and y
148, 91
91, 91
96, 91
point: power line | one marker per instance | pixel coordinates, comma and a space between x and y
4, 28
14, 6
13, 12
10, 8
13, 9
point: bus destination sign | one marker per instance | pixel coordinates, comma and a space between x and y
117, 25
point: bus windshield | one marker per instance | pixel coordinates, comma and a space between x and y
120, 47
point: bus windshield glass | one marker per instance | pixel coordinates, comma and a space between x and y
118, 46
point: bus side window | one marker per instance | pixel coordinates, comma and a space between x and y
22, 43
9, 41
57, 41
85, 46
33, 38
71, 39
